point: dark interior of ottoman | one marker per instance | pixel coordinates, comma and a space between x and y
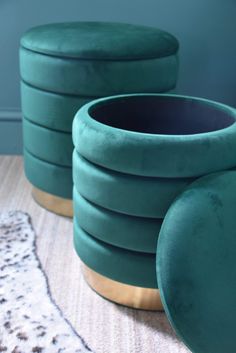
162, 115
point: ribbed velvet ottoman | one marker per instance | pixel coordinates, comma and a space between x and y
65, 65
134, 155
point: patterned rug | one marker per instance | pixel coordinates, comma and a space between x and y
30, 321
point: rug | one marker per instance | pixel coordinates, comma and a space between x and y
30, 320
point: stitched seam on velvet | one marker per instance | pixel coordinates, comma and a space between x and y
47, 162
45, 127
58, 93
105, 60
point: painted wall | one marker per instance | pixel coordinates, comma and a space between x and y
205, 28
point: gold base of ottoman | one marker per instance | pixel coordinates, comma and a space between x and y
124, 294
56, 204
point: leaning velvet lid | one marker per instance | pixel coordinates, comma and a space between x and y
196, 270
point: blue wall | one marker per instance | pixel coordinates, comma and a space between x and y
206, 30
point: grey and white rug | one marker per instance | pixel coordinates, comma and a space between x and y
30, 321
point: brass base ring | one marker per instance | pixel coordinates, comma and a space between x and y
55, 204
124, 294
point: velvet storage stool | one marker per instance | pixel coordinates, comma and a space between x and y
65, 65
134, 154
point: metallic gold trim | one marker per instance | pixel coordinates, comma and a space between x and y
56, 204
124, 294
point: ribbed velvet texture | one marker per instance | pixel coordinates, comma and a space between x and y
130, 267
65, 65
116, 228
125, 176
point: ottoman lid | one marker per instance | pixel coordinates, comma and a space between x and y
100, 40
196, 264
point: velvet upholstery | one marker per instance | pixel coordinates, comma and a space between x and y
196, 270
128, 232
51, 110
52, 178
49, 145
97, 78
97, 58
100, 40
191, 136
65, 65
130, 267
128, 194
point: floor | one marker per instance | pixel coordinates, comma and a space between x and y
106, 327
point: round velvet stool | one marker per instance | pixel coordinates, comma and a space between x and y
65, 65
134, 155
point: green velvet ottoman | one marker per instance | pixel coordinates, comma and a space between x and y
134, 155
65, 65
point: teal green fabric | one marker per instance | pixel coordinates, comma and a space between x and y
128, 232
98, 77
100, 40
128, 194
196, 270
185, 150
51, 110
52, 178
129, 267
49, 145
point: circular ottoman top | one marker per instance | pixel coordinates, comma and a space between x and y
157, 135
196, 270
100, 41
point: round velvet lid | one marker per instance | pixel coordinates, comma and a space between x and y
196, 264
100, 40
